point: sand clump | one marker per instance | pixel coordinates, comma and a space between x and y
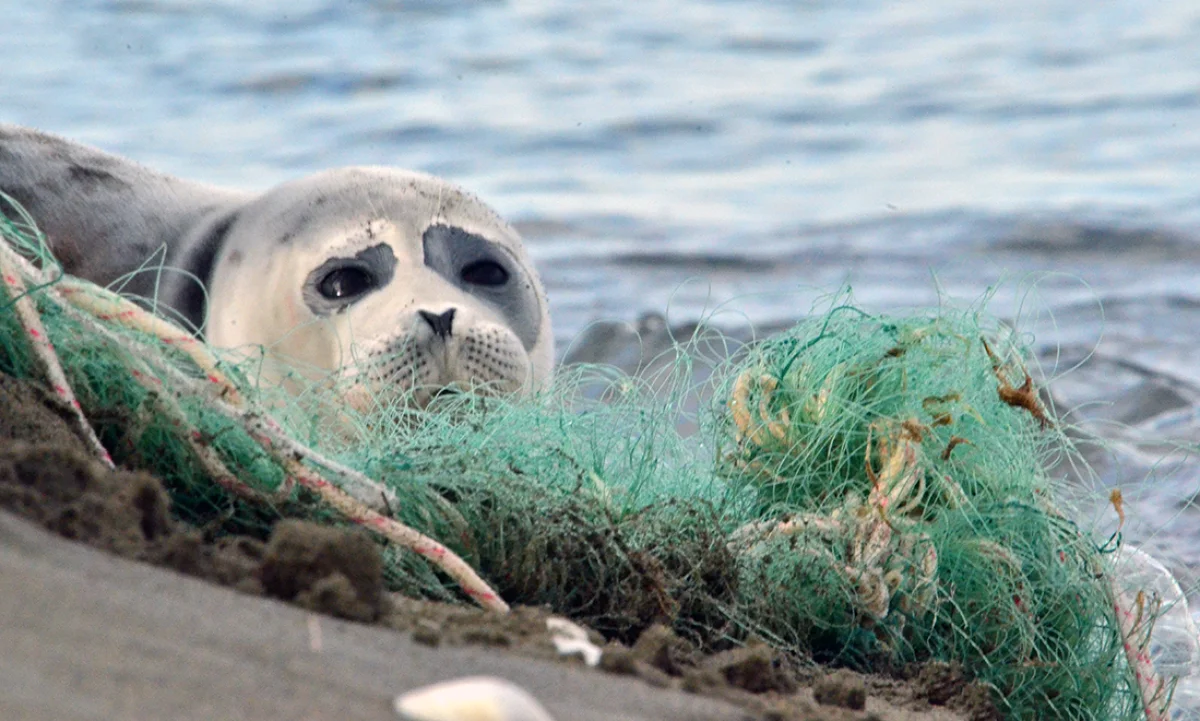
329, 570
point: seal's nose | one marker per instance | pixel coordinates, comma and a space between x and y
440, 324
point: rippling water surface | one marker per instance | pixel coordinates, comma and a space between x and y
742, 155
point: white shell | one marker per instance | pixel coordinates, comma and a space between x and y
475, 698
571, 639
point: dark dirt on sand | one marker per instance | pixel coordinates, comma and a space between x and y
46, 478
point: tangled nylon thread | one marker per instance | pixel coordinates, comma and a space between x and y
942, 535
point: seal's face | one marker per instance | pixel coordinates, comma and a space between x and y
398, 281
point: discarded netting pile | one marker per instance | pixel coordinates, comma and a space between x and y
863, 490
906, 514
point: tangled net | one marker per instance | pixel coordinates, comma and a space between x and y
863, 490
898, 466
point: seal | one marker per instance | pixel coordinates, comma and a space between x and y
400, 281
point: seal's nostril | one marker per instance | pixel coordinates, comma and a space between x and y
439, 323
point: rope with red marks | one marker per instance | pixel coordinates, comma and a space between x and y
1135, 625
415, 541
43, 348
111, 307
95, 306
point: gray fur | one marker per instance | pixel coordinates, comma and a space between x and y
105, 217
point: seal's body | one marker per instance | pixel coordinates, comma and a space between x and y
393, 277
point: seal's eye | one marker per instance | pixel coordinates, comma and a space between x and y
345, 283
485, 272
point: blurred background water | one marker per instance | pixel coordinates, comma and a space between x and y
733, 159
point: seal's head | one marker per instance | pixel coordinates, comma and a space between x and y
397, 280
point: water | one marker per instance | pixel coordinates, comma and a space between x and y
759, 145
740, 155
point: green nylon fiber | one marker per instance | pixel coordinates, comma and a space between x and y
767, 521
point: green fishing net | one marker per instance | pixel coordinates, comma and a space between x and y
861, 490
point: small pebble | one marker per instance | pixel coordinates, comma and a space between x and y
428, 633
841, 689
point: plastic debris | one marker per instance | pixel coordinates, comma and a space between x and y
1174, 642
